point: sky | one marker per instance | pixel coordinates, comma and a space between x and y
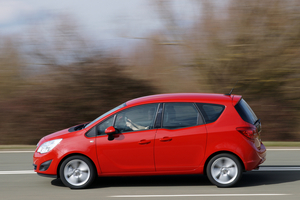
103, 20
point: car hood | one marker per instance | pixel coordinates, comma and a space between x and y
56, 134
52, 136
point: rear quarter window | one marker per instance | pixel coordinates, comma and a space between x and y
210, 112
245, 112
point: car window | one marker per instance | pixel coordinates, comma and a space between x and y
179, 115
136, 118
104, 125
245, 112
211, 112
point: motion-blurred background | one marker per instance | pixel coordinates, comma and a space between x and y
67, 62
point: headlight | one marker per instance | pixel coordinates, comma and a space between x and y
37, 145
48, 146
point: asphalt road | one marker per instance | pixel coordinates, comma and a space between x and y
278, 178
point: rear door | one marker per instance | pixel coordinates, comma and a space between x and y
180, 142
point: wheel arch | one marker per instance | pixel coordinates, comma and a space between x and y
73, 154
220, 152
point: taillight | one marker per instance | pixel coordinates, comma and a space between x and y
248, 132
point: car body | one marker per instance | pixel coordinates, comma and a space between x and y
166, 134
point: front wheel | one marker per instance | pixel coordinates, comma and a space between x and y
224, 170
77, 172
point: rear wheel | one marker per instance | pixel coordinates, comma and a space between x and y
77, 172
224, 170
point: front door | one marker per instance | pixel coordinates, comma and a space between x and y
132, 149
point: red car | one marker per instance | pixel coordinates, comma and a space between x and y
213, 134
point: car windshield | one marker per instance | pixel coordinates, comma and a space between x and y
107, 113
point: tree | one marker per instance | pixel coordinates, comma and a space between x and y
72, 83
254, 44
11, 71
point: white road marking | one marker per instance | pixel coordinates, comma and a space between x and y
283, 149
16, 151
195, 195
17, 172
278, 168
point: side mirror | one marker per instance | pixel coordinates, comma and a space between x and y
110, 131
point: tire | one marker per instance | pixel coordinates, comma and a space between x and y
224, 170
77, 172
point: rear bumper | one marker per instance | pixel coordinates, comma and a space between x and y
257, 158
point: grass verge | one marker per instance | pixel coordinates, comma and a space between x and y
18, 147
281, 144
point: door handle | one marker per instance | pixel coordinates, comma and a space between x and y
144, 141
165, 139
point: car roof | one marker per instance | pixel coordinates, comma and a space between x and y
186, 97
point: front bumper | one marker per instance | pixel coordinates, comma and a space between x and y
47, 175
45, 164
